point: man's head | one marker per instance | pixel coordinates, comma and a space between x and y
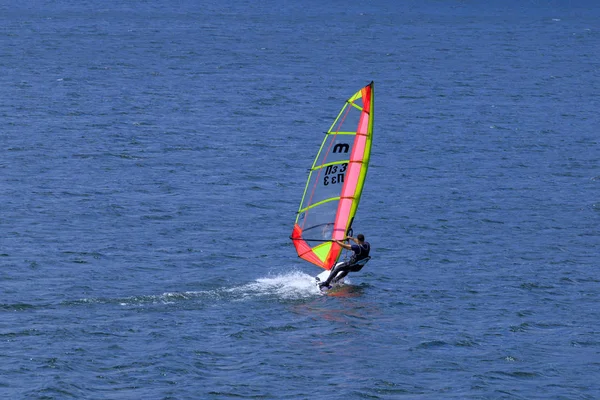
360, 237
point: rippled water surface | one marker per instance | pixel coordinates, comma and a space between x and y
153, 156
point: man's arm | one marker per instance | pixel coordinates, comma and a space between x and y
353, 239
346, 245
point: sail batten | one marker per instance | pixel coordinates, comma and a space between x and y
335, 182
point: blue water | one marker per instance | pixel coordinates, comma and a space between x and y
153, 156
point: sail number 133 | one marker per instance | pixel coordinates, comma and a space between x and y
334, 174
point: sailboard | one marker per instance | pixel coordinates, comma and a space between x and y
335, 183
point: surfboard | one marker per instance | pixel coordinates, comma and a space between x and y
322, 277
335, 183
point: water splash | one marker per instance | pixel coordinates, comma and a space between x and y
288, 286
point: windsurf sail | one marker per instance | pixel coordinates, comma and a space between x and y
335, 182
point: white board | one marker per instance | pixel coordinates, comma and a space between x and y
322, 277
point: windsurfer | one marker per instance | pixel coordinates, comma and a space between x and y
361, 251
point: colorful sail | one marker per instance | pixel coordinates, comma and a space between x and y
335, 182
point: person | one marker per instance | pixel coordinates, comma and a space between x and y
361, 251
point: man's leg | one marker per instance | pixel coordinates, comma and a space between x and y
333, 273
342, 275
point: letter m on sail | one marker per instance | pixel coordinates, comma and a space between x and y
341, 148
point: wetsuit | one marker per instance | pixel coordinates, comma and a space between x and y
361, 251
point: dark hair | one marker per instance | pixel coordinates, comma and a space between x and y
360, 237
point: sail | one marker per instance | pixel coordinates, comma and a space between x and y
335, 182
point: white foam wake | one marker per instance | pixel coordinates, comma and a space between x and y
288, 286
292, 285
